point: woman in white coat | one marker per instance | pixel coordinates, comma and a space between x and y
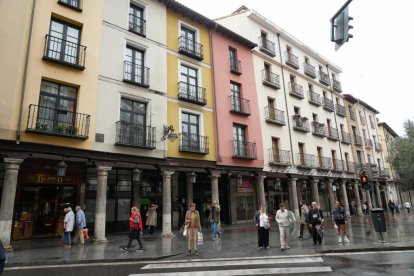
284, 218
68, 224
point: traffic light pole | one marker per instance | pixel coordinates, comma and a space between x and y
340, 26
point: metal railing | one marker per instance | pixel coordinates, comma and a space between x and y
137, 24
338, 165
351, 167
235, 66
190, 142
368, 143
270, 79
309, 70
328, 104
190, 48
333, 133
336, 85
191, 93
296, 90
357, 140
315, 98
324, 78
324, 163
319, 129
292, 60
279, 157
340, 110
136, 74
240, 105
64, 52
267, 46
274, 115
346, 137
300, 123
134, 135
305, 160
246, 150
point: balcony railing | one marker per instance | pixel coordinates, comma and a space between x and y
368, 143
296, 90
134, 135
74, 4
245, 150
292, 60
328, 104
300, 123
324, 78
275, 116
333, 133
352, 114
309, 70
314, 98
279, 157
270, 79
235, 66
319, 129
351, 167
338, 165
191, 93
137, 24
240, 105
324, 163
357, 140
190, 48
363, 119
378, 146
340, 110
190, 142
385, 172
336, 85
57, 122
305, 160
267, 46
136, 74
346, 137
64, 52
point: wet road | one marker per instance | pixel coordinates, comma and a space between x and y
360, 263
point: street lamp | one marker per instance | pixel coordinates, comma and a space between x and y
168, 133
239, 179
61, 168
278, 185
193, 177
136, 175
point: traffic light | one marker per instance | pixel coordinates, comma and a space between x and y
364, 182
340, 26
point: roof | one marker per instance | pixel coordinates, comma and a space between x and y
354, 100
388, 128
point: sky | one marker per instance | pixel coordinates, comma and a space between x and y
377, 63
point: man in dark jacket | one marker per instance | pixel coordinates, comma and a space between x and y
2, 257
391, 205
315, 219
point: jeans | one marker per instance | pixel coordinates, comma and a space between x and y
66, 238
215, 230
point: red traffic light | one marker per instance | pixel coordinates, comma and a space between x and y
364, 179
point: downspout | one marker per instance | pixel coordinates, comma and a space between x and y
214, 92
286, 104
26, 62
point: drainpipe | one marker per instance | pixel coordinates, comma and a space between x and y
286, 104
26, 62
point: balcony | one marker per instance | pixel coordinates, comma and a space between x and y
244, 150
193, 143
336, 85
338, 165
191, 93
73, 4
190, 48
371, 122
292, 60
384, 172
368, 143
319, 129
137, 25
324, 163
346, 137
279, 157
351, 167
328, 104
267, 46
305, 160
314, 98
300, 123
309, 70
133, 135
64, 52
333, 134
324, 78
57, 122
275, 116
363, 119
352, 114
235, 66
378, 146
296, 90
357, 140
270, 79
136, 74
240, 105
340, 110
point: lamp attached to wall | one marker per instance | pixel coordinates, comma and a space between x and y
193, 177
168, 133
239, 179
278, 185
136, 175
61, 168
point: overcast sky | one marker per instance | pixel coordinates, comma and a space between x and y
377, 63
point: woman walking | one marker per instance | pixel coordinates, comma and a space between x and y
68, 224
284, 218
315, 218
192, 218
152, 218
262, 220
339, 218
135, 228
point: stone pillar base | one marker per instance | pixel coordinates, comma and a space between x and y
8, 248
104, 240
167, 235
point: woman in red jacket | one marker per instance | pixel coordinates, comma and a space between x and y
135, 228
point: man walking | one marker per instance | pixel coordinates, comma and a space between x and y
215, 220
407, 206
80, 222
391, 205
304, 211
315, 218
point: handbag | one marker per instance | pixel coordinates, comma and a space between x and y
185, 231
200, 237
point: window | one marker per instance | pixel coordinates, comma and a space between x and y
134, 66
271, 108
275, 149
136, 19
359, 156
189, 84
132, 129
239, 137
188, 38
310, 86
75, 4
190, 139
302, 160
235, 65
236, 97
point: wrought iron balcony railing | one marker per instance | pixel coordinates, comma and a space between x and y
270, 79
279, 157
300, 123
244, 150
309, 70
137, 24
346, 137
357, 140
292, 60
319, 129
324, 163
193, 143
235, 66
74, 4
324, 78
190, 48
57, 122
267, 46
333, 133
240, 105
338, 165
340, 110
352, 114
351, 167
328, 104
314, 98
191, 93
378, 146
64, 52
275, 116
368, 143
336, 85
134, 135
305, 160
296, 90
136, 74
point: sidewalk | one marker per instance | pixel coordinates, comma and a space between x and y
237, 241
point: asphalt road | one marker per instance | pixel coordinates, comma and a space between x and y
360, 263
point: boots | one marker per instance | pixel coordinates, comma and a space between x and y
339, 239
346, 239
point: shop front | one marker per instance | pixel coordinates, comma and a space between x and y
244, 199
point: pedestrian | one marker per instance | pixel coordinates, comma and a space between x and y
407, 206
135, 228
215, 220
304, 211
2, 257
152, 218
315, 218
192, 218
80, 223
284, 218
339, 219
68, 224
207, 218
262, 220
364, 208
391, 205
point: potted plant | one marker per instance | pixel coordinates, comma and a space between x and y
70, 129
41, 125
60, 128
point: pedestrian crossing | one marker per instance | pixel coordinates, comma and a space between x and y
262, 266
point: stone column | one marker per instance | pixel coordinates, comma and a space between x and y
136, 188
215, 197
260, 184
378, 194
315, 193
190, 191
294, 207
345, 197
12, 166
82, 189
357, 199
331, 196
100, 210
369, 202
299, 189
166, 204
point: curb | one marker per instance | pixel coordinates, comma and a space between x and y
367, 249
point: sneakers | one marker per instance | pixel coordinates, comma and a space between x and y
267, 247
282, 249
259, 248
300, 237
140, 249
346, 239
339, 239
287, 247
124, 249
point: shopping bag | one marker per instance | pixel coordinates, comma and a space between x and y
185, 231
200, 237
85, 233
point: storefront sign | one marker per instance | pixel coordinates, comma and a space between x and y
46, 179
245, 187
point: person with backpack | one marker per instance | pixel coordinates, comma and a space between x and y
304, 211
135, 228
315, 218
339, 218
391, 205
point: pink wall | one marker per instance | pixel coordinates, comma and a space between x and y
225, 118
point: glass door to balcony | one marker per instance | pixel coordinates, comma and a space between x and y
275, 149
136, 19
133, 121
189, 84
239, 147
189, 39
63, 42
134, 65
235, 99
190, 139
